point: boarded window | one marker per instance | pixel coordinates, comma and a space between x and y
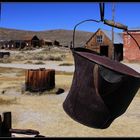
99, 39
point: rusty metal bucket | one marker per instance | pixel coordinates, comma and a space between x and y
101, 90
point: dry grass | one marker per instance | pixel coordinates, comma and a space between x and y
39, 63
5, 60
65, 64
64, 81
28, 62
56, 57
55, 54
10, 70
8, 101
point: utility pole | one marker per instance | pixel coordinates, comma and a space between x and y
113, 12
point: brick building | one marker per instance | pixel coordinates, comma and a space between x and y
131, 51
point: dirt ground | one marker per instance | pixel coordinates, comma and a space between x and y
45, 112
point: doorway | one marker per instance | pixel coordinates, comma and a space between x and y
118, 52
104, 51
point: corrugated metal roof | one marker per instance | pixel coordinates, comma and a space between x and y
134, 28
48, 40
117, 36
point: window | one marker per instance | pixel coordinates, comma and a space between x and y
99, 38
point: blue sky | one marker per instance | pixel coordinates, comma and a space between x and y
38, 16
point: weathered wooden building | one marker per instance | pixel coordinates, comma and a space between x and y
131, 49
56, 43
22, 42
34, 41
101, 42
47, 42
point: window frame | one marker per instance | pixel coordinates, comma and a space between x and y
99, 39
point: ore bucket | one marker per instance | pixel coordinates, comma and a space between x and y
101, 90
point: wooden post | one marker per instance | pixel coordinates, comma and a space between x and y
6, 127
6, 124
0, 126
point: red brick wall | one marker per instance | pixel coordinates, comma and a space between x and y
131, 51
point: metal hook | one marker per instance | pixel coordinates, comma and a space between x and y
102, 7
79, 24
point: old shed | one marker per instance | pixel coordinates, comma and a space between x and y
21, 42
48, 42
101, 42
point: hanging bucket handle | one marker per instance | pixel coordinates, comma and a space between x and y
73, 42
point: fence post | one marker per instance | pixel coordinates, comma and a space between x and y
6, 124
0, 126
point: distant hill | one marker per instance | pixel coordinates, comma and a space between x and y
63, 36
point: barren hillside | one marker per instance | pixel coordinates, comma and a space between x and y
64, 36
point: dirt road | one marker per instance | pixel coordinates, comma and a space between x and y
49, 65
